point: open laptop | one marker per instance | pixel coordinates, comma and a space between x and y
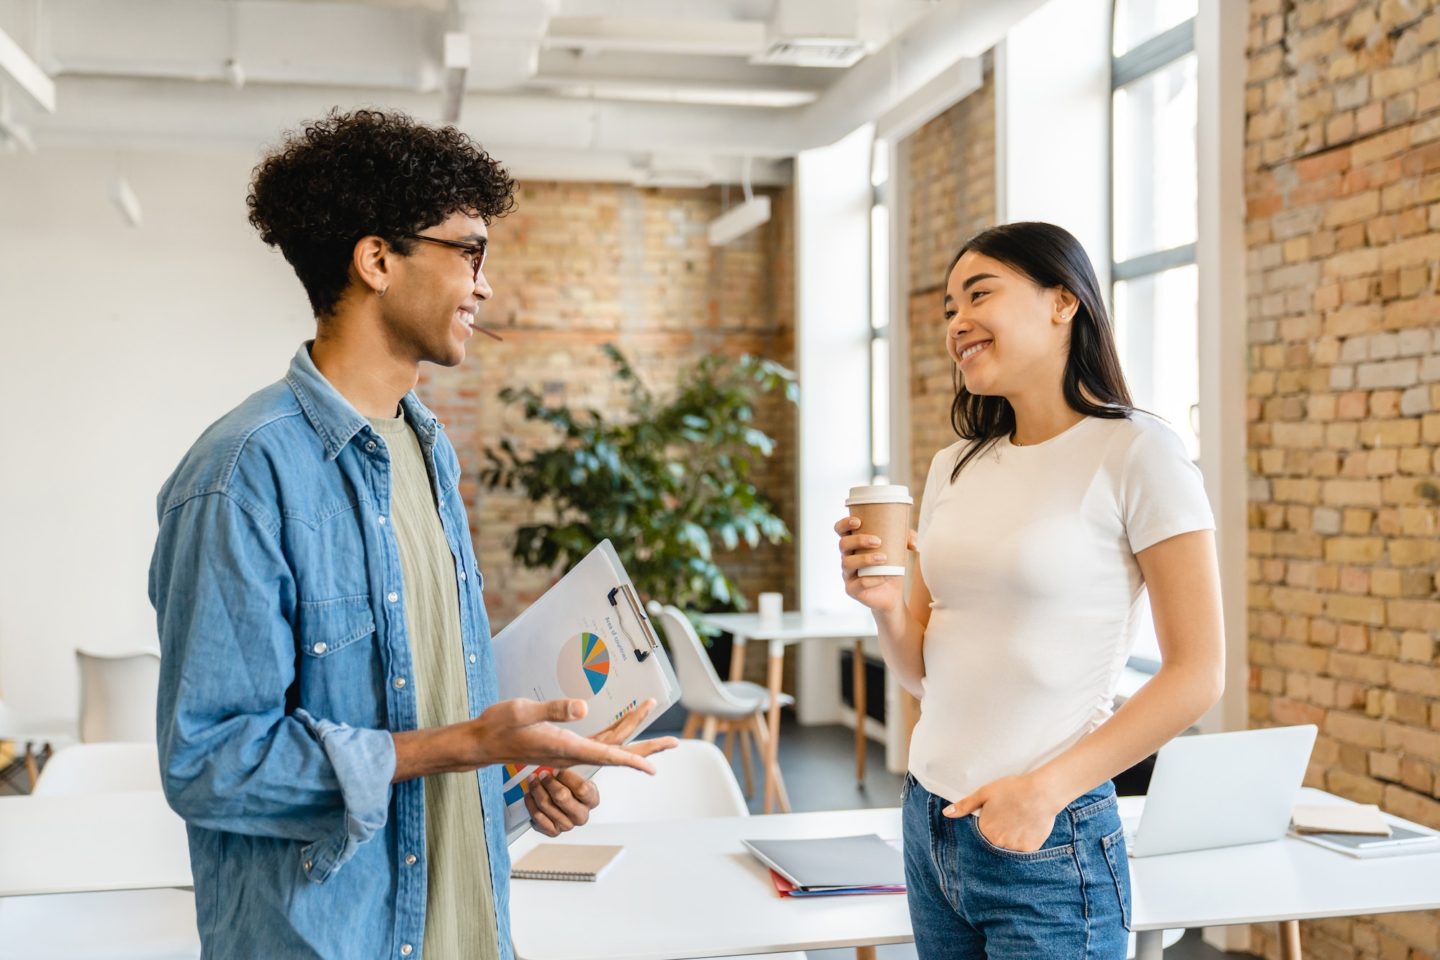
1221, 790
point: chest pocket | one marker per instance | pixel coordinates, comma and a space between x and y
340, 669
329, 626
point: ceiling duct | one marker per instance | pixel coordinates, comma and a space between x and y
814, 33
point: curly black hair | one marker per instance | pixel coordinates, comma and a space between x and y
367, 173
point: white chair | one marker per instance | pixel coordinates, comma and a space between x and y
692, 781
117, 696
123, 925
733, 707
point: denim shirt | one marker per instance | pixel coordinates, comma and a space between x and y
285, 666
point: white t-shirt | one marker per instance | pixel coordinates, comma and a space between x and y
1037, 597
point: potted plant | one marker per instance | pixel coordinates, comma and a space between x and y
667, 480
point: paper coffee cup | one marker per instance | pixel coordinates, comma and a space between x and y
884, 512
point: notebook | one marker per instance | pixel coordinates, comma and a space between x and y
832, 863
1361, 818
565, 861
1401, 840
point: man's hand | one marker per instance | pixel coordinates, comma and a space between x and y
524, 732
563, 801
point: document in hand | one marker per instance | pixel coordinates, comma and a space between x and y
832, 865
587, 638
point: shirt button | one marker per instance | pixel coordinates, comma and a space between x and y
370, 446
410, 860
472, 658
399, 683
392, 596
307, 866
406, 949
319, 648
462, 576
382, 519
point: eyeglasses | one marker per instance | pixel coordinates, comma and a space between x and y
477, 251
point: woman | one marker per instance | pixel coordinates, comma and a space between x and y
1040, 532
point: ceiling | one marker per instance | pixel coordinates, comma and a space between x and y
648, 91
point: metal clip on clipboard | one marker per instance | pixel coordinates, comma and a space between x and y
639, 614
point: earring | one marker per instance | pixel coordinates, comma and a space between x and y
381, 293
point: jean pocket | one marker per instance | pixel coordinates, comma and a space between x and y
1119, 862
327, 626
1024, 856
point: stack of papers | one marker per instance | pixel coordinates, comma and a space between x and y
831, 866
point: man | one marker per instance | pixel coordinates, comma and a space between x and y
327, 692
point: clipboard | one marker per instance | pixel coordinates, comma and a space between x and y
588, 638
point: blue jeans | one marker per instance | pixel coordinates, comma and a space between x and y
972, 900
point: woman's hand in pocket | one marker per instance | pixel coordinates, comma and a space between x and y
857, 549
1013, 813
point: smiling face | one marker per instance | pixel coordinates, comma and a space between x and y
429, 311
1005, 332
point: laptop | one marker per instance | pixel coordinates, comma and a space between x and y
1221, 790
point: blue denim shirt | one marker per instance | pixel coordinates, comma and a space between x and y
285, 665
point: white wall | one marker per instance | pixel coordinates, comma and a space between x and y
120, 345
832, 342
1052, 112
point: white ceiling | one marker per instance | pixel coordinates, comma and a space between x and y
649, 91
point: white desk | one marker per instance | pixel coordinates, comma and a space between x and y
687, 888
1283, 881
91, 843
857, 626
679, 888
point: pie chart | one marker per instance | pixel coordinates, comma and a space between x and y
584, 666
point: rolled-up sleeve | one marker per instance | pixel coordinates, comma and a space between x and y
233, 756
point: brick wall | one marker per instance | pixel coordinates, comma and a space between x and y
580, 265
952, 197
1343, 189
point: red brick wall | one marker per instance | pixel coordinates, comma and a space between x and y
952, 197
1343, 190
580, 265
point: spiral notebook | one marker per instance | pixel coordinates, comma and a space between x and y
565, 861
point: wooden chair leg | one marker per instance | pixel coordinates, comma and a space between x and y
745, 762
864, 953
762, 737
32, 770
1290, 940
731, 729
692, 723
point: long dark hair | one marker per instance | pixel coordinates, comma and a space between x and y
1094, 383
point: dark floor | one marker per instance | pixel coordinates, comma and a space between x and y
819, 768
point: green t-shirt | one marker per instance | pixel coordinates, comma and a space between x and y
460, 905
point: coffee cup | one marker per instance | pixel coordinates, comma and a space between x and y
884, 512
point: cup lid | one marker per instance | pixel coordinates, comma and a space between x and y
879, 493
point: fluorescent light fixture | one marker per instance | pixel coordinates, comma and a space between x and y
457, 64
738, 221
32, 81
126, 202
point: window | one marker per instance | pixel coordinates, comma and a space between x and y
1153, 215
1154, 102
880, 312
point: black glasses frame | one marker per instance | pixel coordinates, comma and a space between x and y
478, 251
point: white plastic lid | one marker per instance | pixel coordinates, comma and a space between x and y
880, 493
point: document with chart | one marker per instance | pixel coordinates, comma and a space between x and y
587, 638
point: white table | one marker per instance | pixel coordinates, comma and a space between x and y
1284, 881
688, 889
90, 843
856, 625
